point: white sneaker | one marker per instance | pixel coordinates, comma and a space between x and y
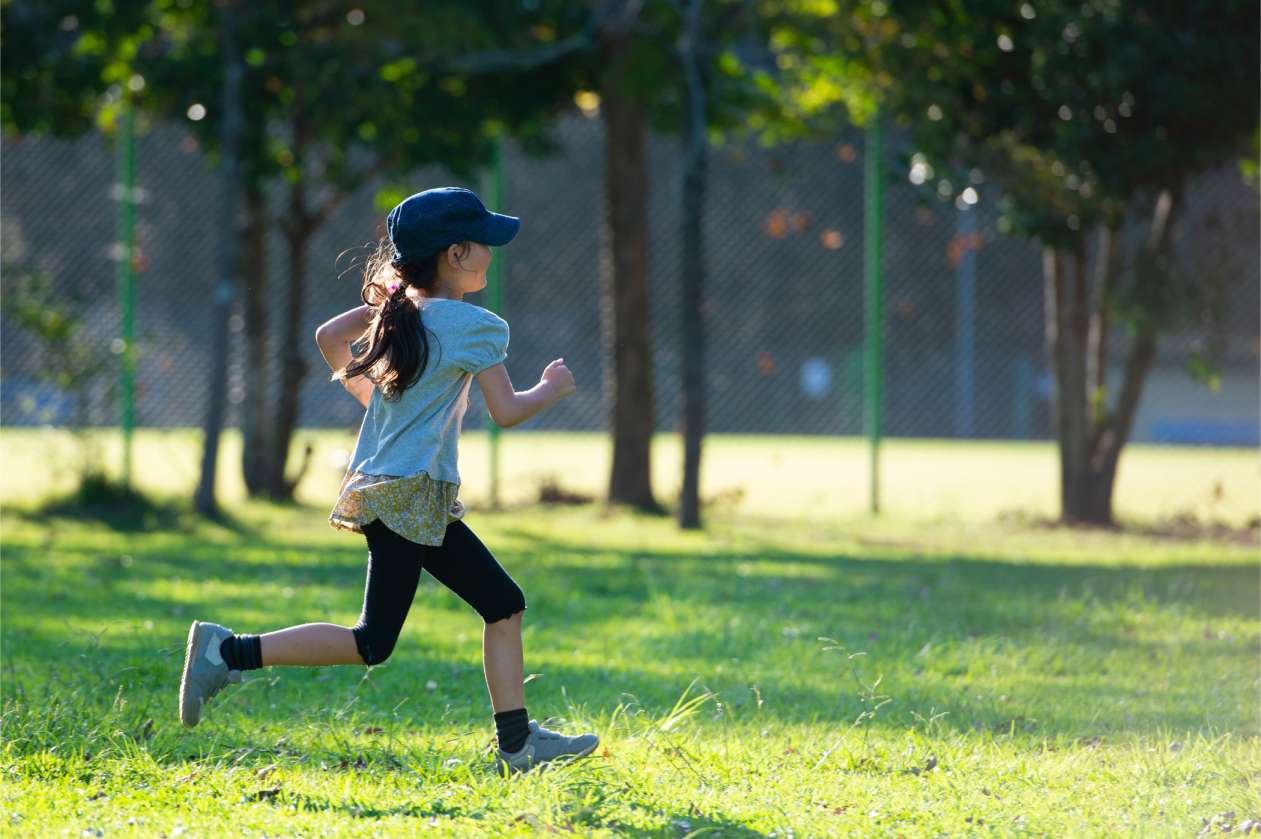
543, 745
205, 672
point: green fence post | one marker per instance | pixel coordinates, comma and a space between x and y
873, 229
126, 191
492, 188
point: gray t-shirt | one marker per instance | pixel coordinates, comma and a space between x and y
420, 432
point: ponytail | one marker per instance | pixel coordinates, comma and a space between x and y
397, 350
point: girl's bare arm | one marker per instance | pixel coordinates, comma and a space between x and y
334, 338
508, 408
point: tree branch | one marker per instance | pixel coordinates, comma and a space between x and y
610, 19
1113, 431
694, 97
1097, 343
340, 194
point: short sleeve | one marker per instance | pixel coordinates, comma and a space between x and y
485, 344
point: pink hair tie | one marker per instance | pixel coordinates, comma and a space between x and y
392, 287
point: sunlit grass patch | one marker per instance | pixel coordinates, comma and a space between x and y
874, 679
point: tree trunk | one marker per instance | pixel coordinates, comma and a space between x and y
298, 227
256, 435
293, 366
1090, 435
1066, 309
204, 497
1112, 434
691, 283
627, 323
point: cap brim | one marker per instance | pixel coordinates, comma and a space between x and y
498, 230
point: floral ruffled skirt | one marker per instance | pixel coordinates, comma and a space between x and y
416, 507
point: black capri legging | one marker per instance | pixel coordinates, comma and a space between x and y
461, 563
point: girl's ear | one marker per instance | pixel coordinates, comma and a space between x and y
456, 254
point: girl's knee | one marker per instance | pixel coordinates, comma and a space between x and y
374, 646
507, 622
506, 605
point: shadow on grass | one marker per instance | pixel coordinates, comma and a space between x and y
663, 617
122, 509
1216, 590
583, 817
1182, 527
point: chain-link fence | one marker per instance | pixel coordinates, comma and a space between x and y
783, 293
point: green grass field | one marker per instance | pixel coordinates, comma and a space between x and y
794, 670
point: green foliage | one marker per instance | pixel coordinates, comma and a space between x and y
55, 316
363, 89
62, 60
377, 89
1075, 110
1205, 371
819, 80
70, 361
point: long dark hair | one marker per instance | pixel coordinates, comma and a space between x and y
397, 350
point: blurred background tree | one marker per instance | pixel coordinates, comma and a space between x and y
1090, 118
443, 85
420, 96
702, 73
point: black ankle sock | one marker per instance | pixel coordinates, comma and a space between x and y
242, 652
512, 728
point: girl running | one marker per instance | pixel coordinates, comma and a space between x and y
424, 346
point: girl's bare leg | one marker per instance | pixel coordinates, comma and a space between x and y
310, 644
502, 663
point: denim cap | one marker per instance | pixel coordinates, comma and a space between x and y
432, 220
